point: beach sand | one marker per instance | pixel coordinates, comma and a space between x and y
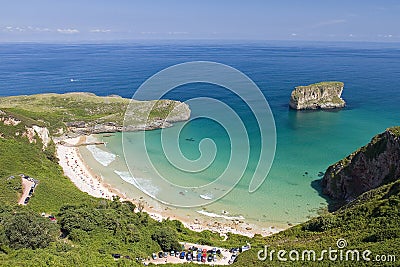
76, 170
88, 181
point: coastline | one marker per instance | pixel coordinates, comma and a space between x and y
77, 170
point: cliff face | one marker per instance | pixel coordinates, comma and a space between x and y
138, 118
323, 95
369, 167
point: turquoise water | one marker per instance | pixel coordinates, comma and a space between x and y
307, 142
307, 146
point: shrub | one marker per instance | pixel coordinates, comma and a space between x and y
167, 238
321, 223
383, 235
28, 230
78, 235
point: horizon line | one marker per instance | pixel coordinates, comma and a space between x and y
116, 41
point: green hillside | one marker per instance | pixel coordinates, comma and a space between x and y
369, 223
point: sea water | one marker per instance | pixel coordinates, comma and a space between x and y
307, 141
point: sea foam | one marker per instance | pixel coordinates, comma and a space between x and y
214, 215
103, 157
142, 184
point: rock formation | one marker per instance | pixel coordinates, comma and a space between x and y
85, 113
323, 95
43, 134
369, 167
138, 118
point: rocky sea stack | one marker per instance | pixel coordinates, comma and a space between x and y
323, 95
369, 167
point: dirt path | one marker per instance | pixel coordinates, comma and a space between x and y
26, 187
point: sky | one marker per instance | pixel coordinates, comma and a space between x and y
106, 20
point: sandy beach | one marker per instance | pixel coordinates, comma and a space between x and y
77, 171
88, 181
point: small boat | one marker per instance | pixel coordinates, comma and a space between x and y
190, 139
206, 196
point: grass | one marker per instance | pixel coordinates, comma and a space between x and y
54, 110
54, 190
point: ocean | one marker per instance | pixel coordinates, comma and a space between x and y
307, 141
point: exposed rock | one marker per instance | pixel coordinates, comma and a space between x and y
60, 131
138, 120
109, 128
30, 134
369, 167
114, 96
44, 134
63, 143
81, 93
323, 95
76, 124
10, 121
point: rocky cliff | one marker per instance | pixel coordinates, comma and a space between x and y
323, 95
369, 167
147, 116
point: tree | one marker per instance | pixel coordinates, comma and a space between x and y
29, 230
167, 238
85, 218
129, 205
3, 239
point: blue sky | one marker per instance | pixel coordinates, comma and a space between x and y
94, 20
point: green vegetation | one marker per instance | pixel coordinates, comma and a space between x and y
166, 238
54, 110
326, 83
29, 230
161, 109
317, 95
370, 222
376, 147
372, 150
395, 130
89, 230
